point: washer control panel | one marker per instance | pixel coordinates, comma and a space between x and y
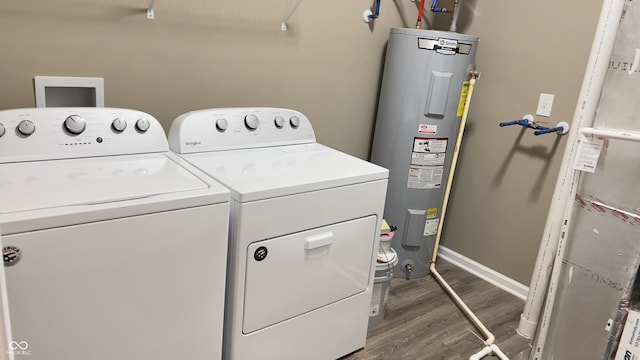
238, 128
59, 133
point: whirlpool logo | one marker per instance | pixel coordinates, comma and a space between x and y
19, 348
192, 143
628, 355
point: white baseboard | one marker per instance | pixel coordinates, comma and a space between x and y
505, 283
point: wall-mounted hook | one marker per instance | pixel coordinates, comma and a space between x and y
528, 121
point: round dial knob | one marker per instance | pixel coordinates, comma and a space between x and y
142, 124
2, 130
251, 122
279, 122
75, 124
119, 124
222, 124
26, 127
294, 121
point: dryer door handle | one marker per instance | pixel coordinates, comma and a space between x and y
320, 240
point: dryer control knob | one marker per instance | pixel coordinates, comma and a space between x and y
118, 124
142, 125
2, 130
26, 127
279, 122
294, 121
251, 122
222, 124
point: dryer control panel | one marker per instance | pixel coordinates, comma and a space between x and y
238, 128
62, 133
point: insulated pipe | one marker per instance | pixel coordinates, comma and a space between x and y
565, 185
434, 272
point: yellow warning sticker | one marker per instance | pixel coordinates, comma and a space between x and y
432, 212
463, 98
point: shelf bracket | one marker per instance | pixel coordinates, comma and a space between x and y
283, 26
150, 13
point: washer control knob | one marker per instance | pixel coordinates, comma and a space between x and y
142, 125
26, 127
294, 121
118, 125
222, 124
251, 122
279, 122
2, 130
75, 124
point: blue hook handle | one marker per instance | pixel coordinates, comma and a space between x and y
545, 130
528, 122
521, 122
434, 8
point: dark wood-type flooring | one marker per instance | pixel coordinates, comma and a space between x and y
421, 322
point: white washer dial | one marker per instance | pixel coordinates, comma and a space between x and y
222, 124
142, 125
119, 124
75, 124
2, 130
251, 122
26, 127
279, 122
294, 121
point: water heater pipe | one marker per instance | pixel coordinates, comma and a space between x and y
566, 184
420, 11
456, 11
490, 338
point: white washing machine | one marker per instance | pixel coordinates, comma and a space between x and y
113, 247
304, 228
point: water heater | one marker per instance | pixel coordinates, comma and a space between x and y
422, 98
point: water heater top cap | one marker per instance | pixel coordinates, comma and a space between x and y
434, 34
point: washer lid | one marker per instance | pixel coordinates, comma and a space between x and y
255, 174
47, 184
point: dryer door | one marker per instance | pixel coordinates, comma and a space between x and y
298, 273
5, 329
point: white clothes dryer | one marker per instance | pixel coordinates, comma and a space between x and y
113, 247
304, 229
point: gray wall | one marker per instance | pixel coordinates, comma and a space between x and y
211, 53
506, 176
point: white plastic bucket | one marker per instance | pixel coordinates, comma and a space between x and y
381, 282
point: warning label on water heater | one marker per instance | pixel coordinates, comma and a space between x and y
427, 163
426, 145
425, 177
427, 159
